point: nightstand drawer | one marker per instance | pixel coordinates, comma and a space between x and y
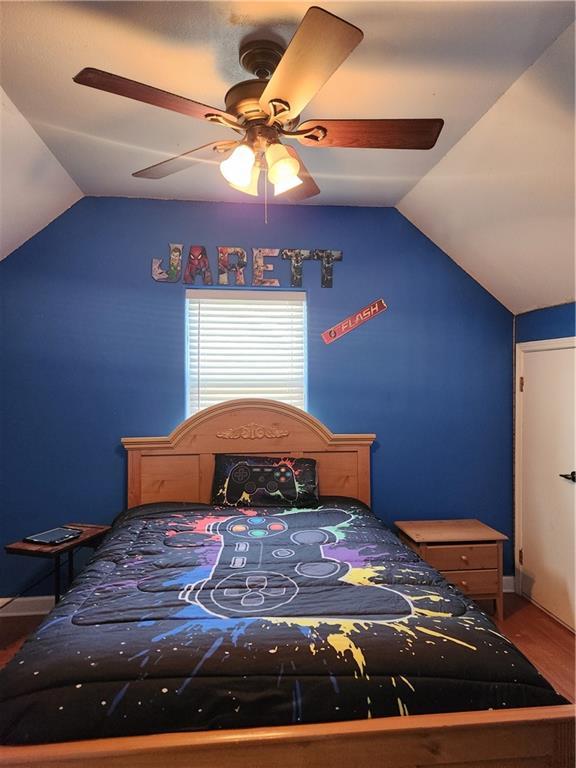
462, 556
474, 582
467, 552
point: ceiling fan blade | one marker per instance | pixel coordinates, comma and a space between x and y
105, 81
377, 134
308, 188
320, 44
186, 160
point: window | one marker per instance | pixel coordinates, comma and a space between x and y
245, 344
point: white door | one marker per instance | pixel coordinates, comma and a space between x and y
545, 450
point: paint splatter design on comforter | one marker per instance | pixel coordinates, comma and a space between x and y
192, 617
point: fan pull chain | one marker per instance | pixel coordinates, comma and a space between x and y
265, 195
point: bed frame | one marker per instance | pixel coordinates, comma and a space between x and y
179, 468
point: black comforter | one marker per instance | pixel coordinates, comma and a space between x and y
194, 617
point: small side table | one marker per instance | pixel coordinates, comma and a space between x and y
90, 537
467, 553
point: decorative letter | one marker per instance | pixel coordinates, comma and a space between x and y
259, 266
172, 275
197, 264
296, 258
327, 258
224, 265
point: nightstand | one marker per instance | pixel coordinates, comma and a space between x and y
90, 537
467, 553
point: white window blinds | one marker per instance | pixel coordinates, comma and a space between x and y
245, 344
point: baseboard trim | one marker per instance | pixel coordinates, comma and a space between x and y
26, 606
508, 584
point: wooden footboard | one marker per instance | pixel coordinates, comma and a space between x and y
535, 737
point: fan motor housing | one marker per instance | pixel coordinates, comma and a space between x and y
243, 102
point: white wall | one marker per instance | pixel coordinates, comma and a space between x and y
34, 188
501, 202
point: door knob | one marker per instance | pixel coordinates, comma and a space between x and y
571, 476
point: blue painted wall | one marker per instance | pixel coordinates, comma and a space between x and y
550, 323
93, 349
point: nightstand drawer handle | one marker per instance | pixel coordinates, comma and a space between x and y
464, 558
464, 583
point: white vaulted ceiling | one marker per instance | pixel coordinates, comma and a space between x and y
501, 202
454, 59
418, 59
34, 188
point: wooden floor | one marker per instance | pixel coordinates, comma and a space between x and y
9, 651
548, 644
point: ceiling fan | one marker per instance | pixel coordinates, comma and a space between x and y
267, 109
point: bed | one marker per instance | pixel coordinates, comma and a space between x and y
202, 634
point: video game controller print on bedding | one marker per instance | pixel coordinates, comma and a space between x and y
264, 481
194, 616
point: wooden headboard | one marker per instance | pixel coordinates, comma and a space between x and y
180, 467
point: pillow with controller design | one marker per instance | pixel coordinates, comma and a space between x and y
264, 481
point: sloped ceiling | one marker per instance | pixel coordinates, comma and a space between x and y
34, 188
418, 59
501, 202
455, 59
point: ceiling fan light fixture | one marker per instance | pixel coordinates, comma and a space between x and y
237, 169
252, 187
285, 184
262, 109
282, 167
